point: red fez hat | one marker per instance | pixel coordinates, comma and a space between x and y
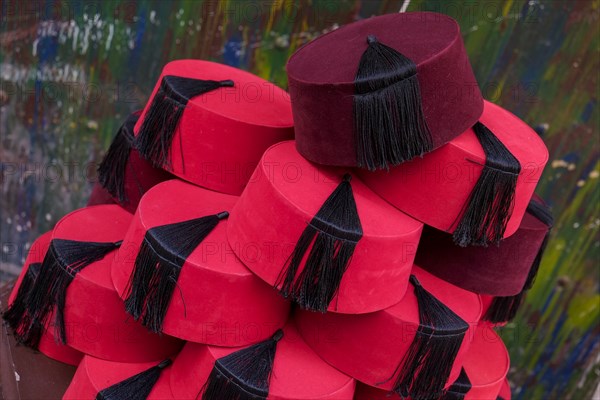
477, 186
99, 196
482, 376
414, 348
495, 270
178, 275
505, 393
280, 368
323, 239
74, 278
123, 173
209, 123
383, 90
109, 380
17, 302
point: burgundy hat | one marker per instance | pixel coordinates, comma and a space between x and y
495, 270
109, 380
178, 275
74, 298
17, 303
383, 90
123, 173
477, 186
414, 348
320, 237
209, 123
482, 375
280, 368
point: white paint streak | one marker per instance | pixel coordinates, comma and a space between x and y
405, 6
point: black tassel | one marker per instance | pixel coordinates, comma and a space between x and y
333, 233
491, 202
158, 263
16, 313
426, 366
137, 387
459, 388
111, 172
505, 308
390, 125
63, 260
156, 134
243, 375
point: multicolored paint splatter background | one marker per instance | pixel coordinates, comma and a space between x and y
70, 71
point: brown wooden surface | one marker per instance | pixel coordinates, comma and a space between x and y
26, 374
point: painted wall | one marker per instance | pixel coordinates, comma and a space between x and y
70, 71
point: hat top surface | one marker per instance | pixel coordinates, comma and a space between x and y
298, 372
176, 201
251, 100
333, 58
522, 141
487, 361
102, 223
306, 187
465, 304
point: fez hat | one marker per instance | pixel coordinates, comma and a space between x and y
74, 296
17, 302
482, 376
109, 380
123, 174
282, 367
477, 186
415, 348
209, 123
178, 275
381, 91
321, 237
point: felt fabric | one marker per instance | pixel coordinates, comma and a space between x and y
505, 392
285, 193
369, 347
95, 318
218, 300
495, 270
321, 82
94, 375
298, 373
435, 189
48, 345
486, 364
223, 133
99, 196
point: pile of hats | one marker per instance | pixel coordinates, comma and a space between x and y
369, 259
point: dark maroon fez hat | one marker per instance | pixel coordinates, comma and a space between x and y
383, 90
497, 270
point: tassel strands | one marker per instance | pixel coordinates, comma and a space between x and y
17, 311
333, 233
459, 388
158, 264
390, 125
491, 202
244, 374
426, 367
64, 259
137, 387
158, 129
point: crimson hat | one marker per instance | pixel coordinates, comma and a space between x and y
209, 123
178, 275
382, 91
17, 303
109, 380
482, 376
505, 393
123, 173
321, 237
414, 348
282, 367
477, 186
75, 279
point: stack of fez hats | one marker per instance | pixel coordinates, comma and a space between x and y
359, 238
